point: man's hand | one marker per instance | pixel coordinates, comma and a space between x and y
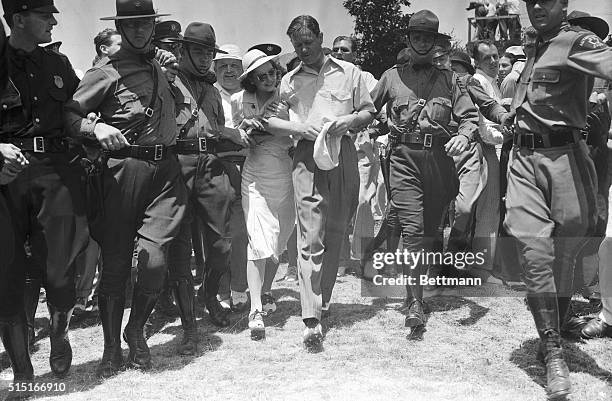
457, 145
13, 156
110, 138
507, 121
341, 125
238, 136
252, 123
169, 64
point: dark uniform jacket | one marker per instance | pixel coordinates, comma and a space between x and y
32, 105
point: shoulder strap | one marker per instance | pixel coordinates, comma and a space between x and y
194, 115
424, 99
134, 130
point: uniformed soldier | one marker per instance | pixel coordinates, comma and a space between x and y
420, 102
144, 196
551, 194
13, 329
200, 123
45, 202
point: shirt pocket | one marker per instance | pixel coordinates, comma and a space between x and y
543, 84
440, 110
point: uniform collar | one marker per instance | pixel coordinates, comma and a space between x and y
20, 55
548, 36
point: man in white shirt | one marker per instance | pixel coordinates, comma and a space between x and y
491, 138
509, 28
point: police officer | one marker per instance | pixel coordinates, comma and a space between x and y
13, 329
45, 202
551, 194
144, 197
201, 124
420, 102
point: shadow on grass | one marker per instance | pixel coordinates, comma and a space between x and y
576, 359
82, 376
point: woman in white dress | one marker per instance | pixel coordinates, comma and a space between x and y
267, 188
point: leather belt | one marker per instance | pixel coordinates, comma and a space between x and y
533, 140
152, 153
195, 146
427, 141
38, 144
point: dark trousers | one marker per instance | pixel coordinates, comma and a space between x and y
236, 278
210, 194
11, 276
550, 208
325, 201
47, 210
423, 182
143, 200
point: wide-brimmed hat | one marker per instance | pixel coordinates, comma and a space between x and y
426, 21
594, 24
229, 51
167, 32
201, 34
132, 9
11, 7
253, 59
457, 56
269, 48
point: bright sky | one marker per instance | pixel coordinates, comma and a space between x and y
247, 22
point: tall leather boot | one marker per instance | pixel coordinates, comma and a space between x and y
60, 358
14, 332
111, 315
218, 314
133, 334
545, 311
183, 293
31, 293
165, 303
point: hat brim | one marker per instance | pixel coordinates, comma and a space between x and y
438, 35
46, 9
256, 64
122, 17
224, 56
168, 40
597, 25
469, 67
193, 41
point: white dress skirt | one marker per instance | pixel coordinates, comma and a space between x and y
267, 186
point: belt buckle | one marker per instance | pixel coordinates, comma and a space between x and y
427, 140
159, 153
531, 137
148, 112
39, 144
195, 113
421, 102
203, 145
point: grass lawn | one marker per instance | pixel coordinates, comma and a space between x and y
474, 349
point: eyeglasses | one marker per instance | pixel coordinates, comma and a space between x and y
272, 75
138, 23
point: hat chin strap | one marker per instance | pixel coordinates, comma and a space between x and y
146, 48
421, 58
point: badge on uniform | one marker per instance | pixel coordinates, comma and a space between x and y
592, 42
58, 81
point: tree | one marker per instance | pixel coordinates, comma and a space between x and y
381, 29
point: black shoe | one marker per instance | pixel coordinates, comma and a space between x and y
60, 358
415, 316
218, 314
133, 334
111, 315
596, 328
557, 375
